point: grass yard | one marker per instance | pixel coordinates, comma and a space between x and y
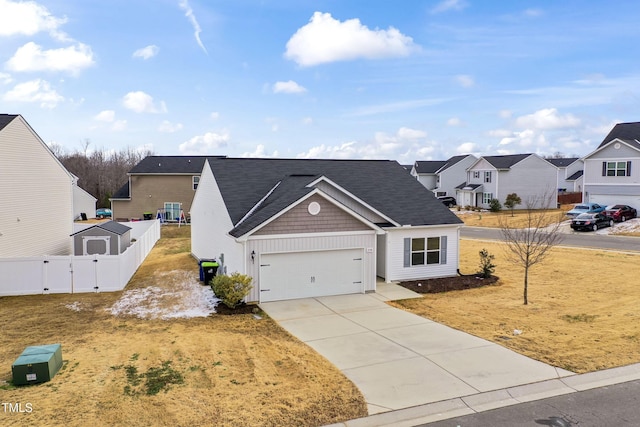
123, 370
518, 219
583, 313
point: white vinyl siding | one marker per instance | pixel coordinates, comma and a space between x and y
398, 263
36, 213
365, 241
83, 202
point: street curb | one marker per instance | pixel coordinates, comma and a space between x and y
480, 402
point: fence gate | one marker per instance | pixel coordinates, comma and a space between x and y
57, 275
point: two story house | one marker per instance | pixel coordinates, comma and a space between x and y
162, 185
612, 171
442, 177
570, 172
494, 177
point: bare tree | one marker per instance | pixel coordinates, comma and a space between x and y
530, 245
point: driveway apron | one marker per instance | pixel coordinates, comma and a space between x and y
398, 359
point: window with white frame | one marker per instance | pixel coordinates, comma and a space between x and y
476, 174
195, 181
487, 176
616, 168
486, 198
425, 251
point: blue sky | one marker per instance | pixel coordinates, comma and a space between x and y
410, 80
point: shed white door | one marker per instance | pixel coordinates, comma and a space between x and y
310, 274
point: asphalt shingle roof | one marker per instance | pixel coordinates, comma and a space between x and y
575, 175
382, 184
505, 162
624, 131
111, 226
171, 165
5, 119
429, 166
452, 161
122, 193
563, 162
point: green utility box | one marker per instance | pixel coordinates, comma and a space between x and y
37, 364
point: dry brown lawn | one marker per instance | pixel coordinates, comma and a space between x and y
583, 313
517, 218
217, 370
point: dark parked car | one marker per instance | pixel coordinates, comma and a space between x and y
448, 201
621, 213
591, 221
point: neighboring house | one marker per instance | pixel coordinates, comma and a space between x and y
452, 174
105, 238
36, 212
612, 171
83, 202
442, 177
305, 228
426, 172
159, 183
570, 171
494, 177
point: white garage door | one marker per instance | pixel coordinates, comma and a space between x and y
310, 274
608, 199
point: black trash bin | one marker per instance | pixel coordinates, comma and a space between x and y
202, 261
147, 216
209, 269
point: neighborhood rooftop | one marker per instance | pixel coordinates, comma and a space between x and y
382, 184
505, 162
562, 162
5, 119
629, 132
191, 165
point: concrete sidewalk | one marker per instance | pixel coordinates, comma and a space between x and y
400, 360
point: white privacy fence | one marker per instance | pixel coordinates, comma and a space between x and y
75, 274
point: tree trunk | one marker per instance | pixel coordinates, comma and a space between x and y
526, 284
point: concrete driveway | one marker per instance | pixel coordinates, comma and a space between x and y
398, 359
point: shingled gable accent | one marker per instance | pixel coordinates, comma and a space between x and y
298, 220
353, 197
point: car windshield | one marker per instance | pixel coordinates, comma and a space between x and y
585, 216
581, 208
617, 208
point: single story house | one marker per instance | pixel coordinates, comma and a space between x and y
83, 202
612, 171
306, 228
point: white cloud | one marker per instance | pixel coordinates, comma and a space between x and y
146, 52
533, 13
28, 18
447, 5
465, 81
259, 152
325, 39
454, 122
31, 57
214, 115
288, 87
205, 144
34, 91
500, 133
141, 102
405, 143
505, 114
105, 116
407, 133
467, 148
547, 119
307, 121
5, 78
167, 127
398, 106
188, 12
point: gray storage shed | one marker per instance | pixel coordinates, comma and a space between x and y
105, 238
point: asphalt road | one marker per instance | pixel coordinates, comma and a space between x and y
579, 239
616, 405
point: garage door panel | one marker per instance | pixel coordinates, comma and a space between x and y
310, 274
